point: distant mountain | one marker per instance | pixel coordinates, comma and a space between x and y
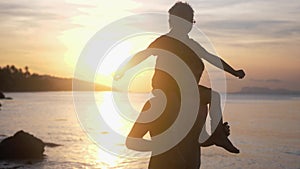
265, 90
13, 79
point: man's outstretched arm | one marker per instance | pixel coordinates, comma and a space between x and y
135, 141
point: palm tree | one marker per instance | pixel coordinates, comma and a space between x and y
27, 73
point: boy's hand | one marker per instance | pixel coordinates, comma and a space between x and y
240, 74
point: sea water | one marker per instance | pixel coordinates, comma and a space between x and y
265, 128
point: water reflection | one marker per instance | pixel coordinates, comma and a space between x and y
112, 152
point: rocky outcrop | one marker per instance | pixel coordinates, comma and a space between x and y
21, 145
2, 96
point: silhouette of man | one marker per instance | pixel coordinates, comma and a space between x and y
186, 154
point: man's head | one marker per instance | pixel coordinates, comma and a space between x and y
179, 11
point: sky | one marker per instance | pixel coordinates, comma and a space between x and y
261, 37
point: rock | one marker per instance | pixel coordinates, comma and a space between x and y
2, 96
21, 145
51, 145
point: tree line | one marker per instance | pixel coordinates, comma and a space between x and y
13, 79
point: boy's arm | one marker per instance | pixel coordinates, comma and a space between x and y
220, 63
217, 61
135, 60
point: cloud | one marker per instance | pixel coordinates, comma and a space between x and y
253, 22
37, 14
29, 32
274, 80
31, 28
53, 32
242, 22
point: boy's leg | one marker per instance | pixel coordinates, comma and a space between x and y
219, 130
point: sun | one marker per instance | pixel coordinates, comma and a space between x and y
92, 17
119, 54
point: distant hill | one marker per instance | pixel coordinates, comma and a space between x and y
13, 79
265, 90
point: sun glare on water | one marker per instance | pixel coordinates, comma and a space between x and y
119, 119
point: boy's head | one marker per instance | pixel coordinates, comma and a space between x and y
181, 10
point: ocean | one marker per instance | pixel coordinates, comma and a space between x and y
265, 128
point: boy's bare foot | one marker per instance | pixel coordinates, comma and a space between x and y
227, 145
220, 138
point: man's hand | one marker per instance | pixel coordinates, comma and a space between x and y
240, 74
226, 128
